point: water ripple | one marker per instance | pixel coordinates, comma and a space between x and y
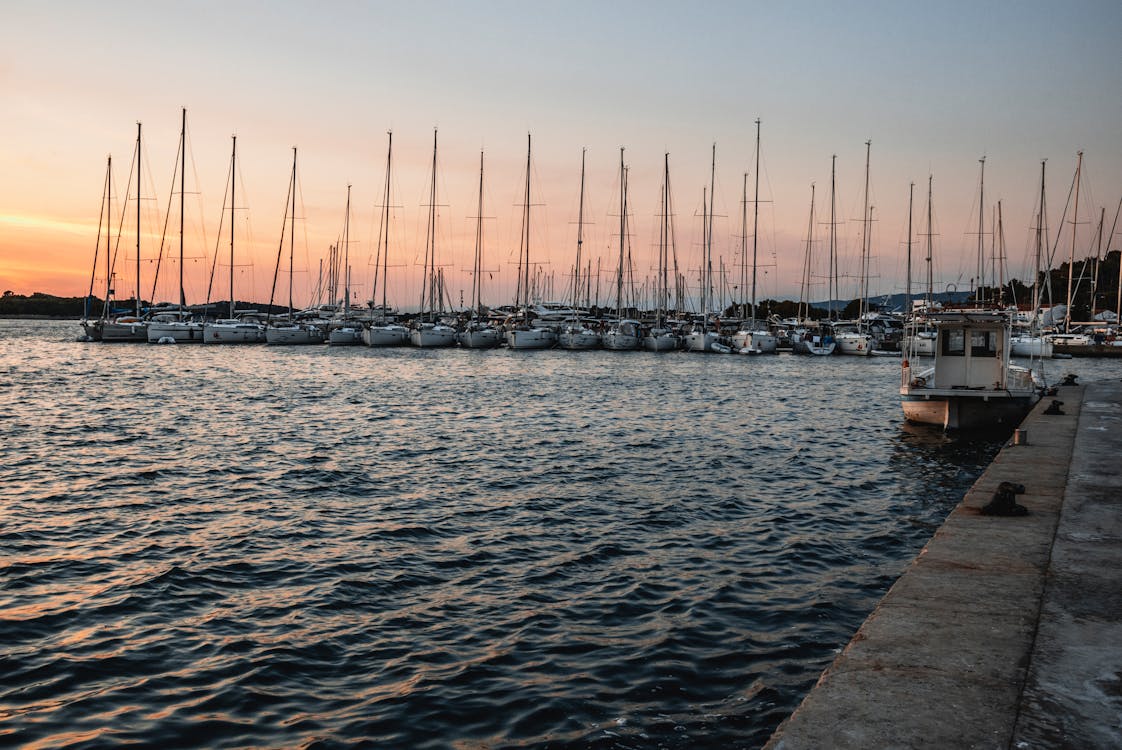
332, 548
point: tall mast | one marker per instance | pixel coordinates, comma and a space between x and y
755, 222
580, 236
523, 292
1098, 254
930, 270
386, 222
744, 249
1071, 260
804, 293
233, 184
347, 258
833, 263
138, 157
663, 244
428, 281
476, 287
908, 287
182, 202
108, 239
866, 245
708, 270
1036, 280
292, 237
622, 230
979, 294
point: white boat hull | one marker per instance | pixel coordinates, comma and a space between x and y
579, 338
233, 333
433, 336
856, 344
761, 342
619, 341
480, 338
700, 341
293, 335
920, 345
181, 333
346, 336
530, 338
115, 331
662, 342
1030, 346
386, 335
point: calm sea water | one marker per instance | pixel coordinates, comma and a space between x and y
338, 547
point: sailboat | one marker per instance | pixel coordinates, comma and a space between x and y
177, 326
384, 330
231, 330
1031, 343
809, 338
661, 337
753, 337
700, 338
623, 333
92, 328
477, 332
854, 338
522, 333
919, 340
427, 330
290, 331
344, 331
129, 326
573, 333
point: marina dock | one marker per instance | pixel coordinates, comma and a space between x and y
1004, 632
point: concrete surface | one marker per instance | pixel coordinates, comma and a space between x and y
1003, 632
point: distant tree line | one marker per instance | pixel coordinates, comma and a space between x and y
1093, 280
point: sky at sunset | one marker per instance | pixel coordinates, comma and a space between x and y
934, 86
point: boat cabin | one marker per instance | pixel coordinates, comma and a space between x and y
971, 350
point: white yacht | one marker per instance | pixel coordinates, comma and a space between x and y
233, 331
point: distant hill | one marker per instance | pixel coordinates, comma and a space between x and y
896, 302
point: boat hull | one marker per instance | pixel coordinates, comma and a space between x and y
856, 344
433, 337
480, 338
701, 342
664, 342
293, 335
181, 333
387, 335
532, 338
1030, 346
761, 342
618, 341
234, 333
967, 412
579, 338
124, 331
346, 336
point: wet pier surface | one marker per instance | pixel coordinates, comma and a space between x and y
1005, 632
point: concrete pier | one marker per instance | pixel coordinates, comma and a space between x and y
1005, 632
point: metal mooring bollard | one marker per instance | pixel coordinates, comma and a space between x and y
1020, 437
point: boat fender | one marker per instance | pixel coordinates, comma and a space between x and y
919, 382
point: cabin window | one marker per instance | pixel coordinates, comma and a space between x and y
983, 344
954, 343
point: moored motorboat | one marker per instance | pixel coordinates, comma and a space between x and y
972, 385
